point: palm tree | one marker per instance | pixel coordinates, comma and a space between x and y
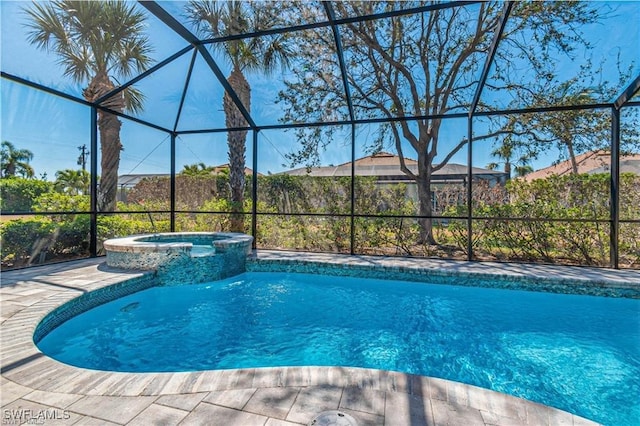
73, 182
506, 152
198, 169
523, 170
15, 161
95, 41
259, 54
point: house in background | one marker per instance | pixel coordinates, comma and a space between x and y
385, 167
591, 162
448, 185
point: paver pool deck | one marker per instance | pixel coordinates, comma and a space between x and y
35, 388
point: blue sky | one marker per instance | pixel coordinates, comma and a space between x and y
53, 128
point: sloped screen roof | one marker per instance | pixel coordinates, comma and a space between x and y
187, 71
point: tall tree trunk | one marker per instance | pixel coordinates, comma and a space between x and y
572, 157
110, 146
236, 141
425, 203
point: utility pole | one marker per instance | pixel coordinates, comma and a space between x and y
82, 158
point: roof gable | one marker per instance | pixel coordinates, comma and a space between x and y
590, 162
385, 165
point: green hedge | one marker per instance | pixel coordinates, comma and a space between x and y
579, 232
41, 239
513, 226
19, 194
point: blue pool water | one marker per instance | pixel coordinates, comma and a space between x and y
576, 353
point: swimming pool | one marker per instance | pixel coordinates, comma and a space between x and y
577, 353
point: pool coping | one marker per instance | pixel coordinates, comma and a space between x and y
30, 378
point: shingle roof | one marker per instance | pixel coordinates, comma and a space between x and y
387, 166
590, 162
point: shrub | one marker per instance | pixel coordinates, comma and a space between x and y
72, 239
191, 191
57, 202
115, 226
24, 239
40, 239
560, 218
629, 245
19, 194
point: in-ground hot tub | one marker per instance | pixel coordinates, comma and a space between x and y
182, 257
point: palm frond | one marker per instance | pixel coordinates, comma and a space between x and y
90, 37
274, 52
224, 18
46, 27
207, 17
77, 65
25, 169
133, 99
